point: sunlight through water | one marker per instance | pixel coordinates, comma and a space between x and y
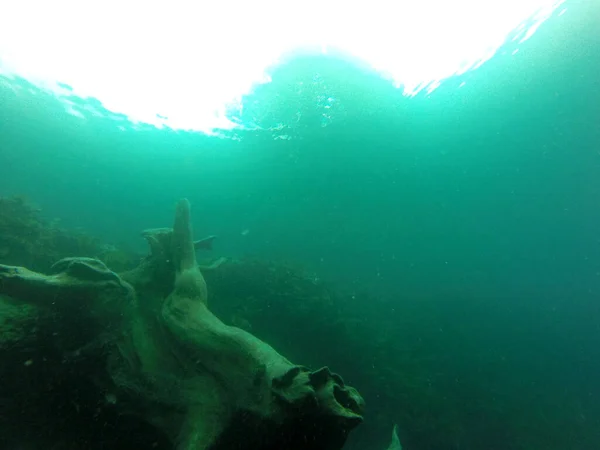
184, 64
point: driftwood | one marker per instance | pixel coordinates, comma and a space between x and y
170, 361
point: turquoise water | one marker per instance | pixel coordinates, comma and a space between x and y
480, 202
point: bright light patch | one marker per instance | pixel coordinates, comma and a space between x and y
182, 63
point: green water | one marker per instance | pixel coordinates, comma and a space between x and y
474, 210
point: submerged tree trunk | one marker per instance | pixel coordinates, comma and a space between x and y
161, 355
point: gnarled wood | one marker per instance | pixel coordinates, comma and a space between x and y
205, 384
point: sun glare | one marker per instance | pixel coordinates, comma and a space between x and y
182, 63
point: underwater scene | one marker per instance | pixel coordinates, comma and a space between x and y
240, 226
